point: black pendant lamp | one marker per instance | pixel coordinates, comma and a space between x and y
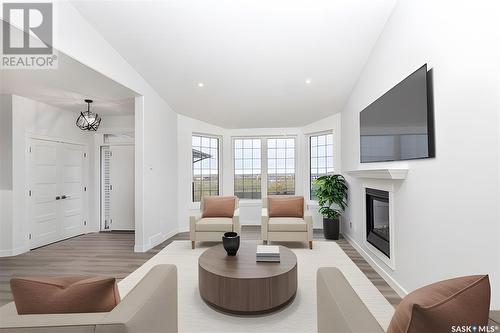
88, 121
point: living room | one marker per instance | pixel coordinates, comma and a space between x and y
232, 114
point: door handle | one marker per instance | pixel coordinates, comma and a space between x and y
58, 198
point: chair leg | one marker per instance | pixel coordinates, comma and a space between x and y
311, 245
192, 245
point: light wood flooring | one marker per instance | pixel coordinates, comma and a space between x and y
112, 254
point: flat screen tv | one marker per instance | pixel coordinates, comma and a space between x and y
399, 125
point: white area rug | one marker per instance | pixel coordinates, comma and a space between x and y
299, 316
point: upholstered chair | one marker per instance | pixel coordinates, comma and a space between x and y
284, 218
217, 216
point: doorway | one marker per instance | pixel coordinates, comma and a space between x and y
117, 188
56, 191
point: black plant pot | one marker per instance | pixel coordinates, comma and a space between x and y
231, 243
331, 228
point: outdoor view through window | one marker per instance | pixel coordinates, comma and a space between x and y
205, 151
321, 158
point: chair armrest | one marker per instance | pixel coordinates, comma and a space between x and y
192, 225
309, 222
264, 223
236, 222
151, 306
339, 308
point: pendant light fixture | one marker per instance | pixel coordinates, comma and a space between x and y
88, 121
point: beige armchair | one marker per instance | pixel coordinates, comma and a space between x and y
217, 216
284, 218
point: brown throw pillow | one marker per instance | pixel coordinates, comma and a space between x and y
285, 206
437, 307
218, 206
72, 294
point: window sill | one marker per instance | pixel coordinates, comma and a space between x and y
250, 202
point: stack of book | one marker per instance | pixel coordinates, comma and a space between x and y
270, 253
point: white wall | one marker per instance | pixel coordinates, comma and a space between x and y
117, 122
5, 174
5, 142
250, 210
155, 127
446, 211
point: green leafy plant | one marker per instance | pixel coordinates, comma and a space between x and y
331, 190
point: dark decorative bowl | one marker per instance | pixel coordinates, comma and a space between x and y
231, 243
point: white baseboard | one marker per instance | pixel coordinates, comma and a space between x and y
155, 240
14, 252
379, 269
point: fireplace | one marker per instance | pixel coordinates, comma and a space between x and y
377, 220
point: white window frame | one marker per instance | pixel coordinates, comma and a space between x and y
308, 143
263, 160
219, 162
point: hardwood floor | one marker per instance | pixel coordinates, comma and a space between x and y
112, 253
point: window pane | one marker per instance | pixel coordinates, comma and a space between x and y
247, 154
320, 158
247, 168
281, 166
205, 169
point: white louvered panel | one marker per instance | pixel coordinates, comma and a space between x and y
107, 187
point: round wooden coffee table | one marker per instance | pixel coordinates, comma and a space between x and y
241, 285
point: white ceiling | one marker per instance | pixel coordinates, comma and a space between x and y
67, 86
253, 56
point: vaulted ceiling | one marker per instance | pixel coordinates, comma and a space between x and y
245, 63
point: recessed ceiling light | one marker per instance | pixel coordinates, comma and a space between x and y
201, 84
308, 81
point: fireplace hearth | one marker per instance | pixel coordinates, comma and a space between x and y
377, 220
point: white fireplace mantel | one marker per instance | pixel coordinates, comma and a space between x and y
396, 174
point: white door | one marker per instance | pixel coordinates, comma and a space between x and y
44, 181
55, 181
71, 167
118, 187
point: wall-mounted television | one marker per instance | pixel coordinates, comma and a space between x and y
399, 125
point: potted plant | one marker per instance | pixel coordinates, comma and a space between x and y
331, 191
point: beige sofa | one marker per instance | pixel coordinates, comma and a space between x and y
339, 307
286, 229
211, 229
150, 307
